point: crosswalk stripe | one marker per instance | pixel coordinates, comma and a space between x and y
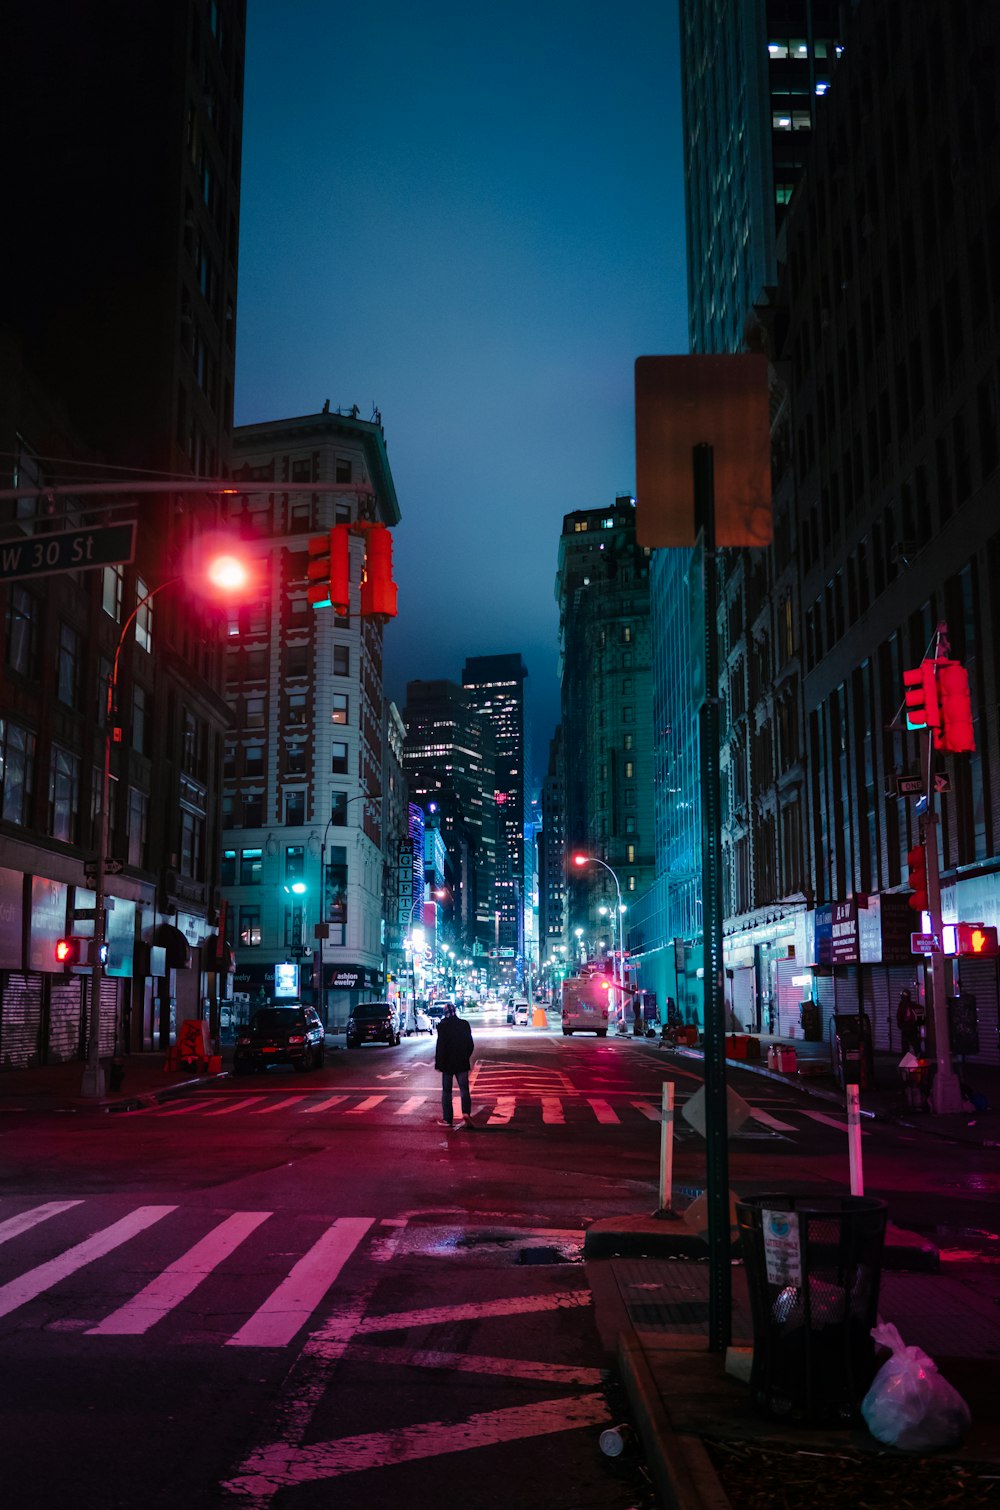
602, 1111
831, 1121
234, 1106
511, 1305
772, 1122
288, 1307
648, 1110
177, 1281
322, 1106
181, 1111
503, 1111
410, 1106
25, 1220
31, 1284
552, 1110
364, 1106
277, 1106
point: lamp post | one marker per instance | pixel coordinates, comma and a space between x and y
227, 573
594, 860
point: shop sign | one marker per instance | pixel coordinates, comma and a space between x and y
870, 929
48, 922
11, 911
286, 981
824, 934
120, 938
897, 925
844, 933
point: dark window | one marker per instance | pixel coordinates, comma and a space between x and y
253, 760
295, 807
341, 660
295, 863
17, 771
227, 871
338, 762
253, 810
64, 795
22, 631
297, 660
338, 808
251, 866
68, 666
295, 760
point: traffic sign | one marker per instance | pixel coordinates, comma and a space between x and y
924, 943
909, 786
942, 782
71, 550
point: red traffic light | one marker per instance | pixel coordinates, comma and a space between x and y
921, 696
957, 733
69, 952
973, 938
378, 590
916, 861
329, 570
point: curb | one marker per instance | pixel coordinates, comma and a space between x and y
650, 1237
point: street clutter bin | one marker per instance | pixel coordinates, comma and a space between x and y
812, 1021
853, 1054
813, 1267
782, 1058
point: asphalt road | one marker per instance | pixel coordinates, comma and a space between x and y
271, 1284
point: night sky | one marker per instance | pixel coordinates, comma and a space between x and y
468, 214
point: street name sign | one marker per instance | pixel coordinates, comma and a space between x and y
71, 550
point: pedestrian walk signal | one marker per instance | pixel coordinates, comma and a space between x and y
71, 951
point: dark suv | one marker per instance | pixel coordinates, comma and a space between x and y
373, 1022
288, 1034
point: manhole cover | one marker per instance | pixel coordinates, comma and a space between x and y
542, 1256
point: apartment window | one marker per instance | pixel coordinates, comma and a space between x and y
68, 666
344, 469
112, 586
64, 795
229, 763
253, 712
626, 685
295, 863
302, 469
140, 721
295, 760
338, 808
138, 826
17, 771
300, 516
629, 770
253, 761
627, 742
296, 704
628, 713
341, 660
630, 883
295, 808
335, 901
192, 856
338, 759
255, 666
626, 634
253, 810
630, 853
227, 871
228, 810
339, 713
143, 617
297, 660
251, 866
630, 824
250, 927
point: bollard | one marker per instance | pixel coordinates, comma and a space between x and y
667, 1150
854, 1140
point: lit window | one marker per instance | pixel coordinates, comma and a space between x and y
227, 873
111, 592
143, 617
249, 931
251, 866
630, 853
339, 708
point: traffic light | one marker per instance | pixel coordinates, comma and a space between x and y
973, 938
70, 952
956, 734
916, 860
329, 570
378, 590
921, 697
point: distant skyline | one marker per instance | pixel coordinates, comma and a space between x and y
470, 219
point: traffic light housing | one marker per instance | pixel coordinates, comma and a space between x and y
956, 733
921, 697
378, 590
70, 952
916, 861
973, 938
329, 570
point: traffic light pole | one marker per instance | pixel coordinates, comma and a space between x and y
946, 1092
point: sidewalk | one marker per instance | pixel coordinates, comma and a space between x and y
696, 1419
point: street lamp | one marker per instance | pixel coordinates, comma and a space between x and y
217, 567
594, 860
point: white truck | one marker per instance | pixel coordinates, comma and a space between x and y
586, 1004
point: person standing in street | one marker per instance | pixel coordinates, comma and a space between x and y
453, 1057
908, 1024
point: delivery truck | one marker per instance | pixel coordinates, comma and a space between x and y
586, 1003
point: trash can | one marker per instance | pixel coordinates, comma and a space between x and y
812, 1021
853, 1058
813, 1267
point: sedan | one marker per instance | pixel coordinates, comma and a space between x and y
280, 1035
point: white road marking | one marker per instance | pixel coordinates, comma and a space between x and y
410, 1106
503, 1111
602, 1111
180, 1111
474, 1363
236, 1106
177, 1281
552, 1110
32, 1284
831, 1122
25, 1220
523, 1305
322, 1106
648, 1110
277, 1106
287, 1308
392, 1075
769, 1121
273, 1468
364, 1106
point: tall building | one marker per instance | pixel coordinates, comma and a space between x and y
553, 887
117, 327
494, 685
305, 760
449, 763
605, 672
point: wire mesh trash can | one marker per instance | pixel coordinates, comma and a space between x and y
813, 1266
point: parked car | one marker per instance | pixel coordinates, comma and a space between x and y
518, 1013
290, 1033
423, 1023
373, 1022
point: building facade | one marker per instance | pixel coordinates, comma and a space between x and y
305, 838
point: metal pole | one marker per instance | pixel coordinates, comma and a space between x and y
946, 1092
667, 1150
716, 1132
854, 1140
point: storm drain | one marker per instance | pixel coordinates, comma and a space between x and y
546, 1255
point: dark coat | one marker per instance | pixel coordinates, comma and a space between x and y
453, 1052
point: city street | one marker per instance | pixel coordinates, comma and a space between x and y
257, 1287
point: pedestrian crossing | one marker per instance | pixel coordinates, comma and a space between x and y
505, 1109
